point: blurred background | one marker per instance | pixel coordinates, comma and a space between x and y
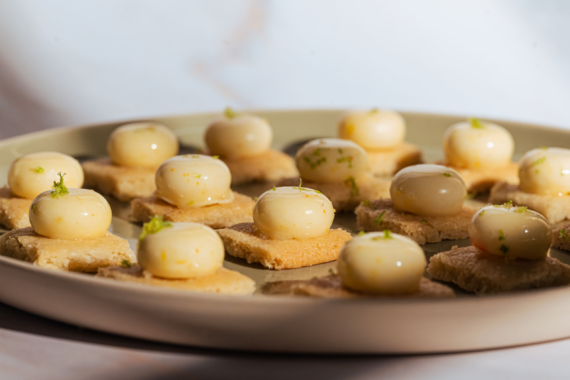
66, 62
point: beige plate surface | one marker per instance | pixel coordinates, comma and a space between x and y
273, 323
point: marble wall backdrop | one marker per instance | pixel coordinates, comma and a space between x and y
66, 62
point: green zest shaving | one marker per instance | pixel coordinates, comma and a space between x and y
155, 225
424, 221
229, 113
447, 174
539, 161
360, 233
58, 187
379, 219
386, 236
317, 152
345, 159
354, 192
126, 263
215, 157
562, 233
504, 249
255, 198
521, 209
339, 151
472, 195
475, 123
368, 204
39, 170
274, 188
482, 213
508, 204
313, 165
332, 272
197, 175
501, 235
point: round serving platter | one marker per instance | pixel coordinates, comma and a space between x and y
278, 323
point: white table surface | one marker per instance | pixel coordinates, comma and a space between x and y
36, 348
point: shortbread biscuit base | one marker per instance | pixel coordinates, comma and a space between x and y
561, 237
421, 229
241, 242
240, 210
223, 281
81, 255
14, 211
480, 272
389, 162
342, 195
122, 182
482, 180
268, 166
331, 287
553, 208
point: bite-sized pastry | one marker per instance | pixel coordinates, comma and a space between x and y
481, 152
544, 184
29, 176
135, 151
243, 142
381, 133
339, 169
374, 264
69, 231
510, 252
426, 205
290, 229
194, 188
185, 256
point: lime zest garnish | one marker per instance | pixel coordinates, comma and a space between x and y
379, 218
476, 123
313, 165
229, 113
38, 169
354, 192
521, 209
58, 187
345, 159
126, 263
360, 233
472, 194
504, 249
153, 226
562, 233
447, 174
386, 236
538, 162
501, 235
274, 188
215, 157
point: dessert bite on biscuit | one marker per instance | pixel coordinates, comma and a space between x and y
194, 188
544, 184
381, 133
29, 176
510, 252
135, 151
290, 229
243, 142
184, 256
378, 264
481, 152
426, 206
69, 231
340, 170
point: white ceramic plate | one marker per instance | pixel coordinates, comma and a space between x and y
274, 323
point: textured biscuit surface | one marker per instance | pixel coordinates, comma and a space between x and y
389, 162
343, 195
240, 210
122, 182
480, 272
481, 180
421, 229
331, 287
14, 211
271, 165
561, 237
553, 208
81, 255
240, 241
223, 281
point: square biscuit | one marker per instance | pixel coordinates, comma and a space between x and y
480, 272
331, 287
81, 255
561, 237
268, 166
343, 195
421, 229
389, 162
482, 180
122, 182
553, 208
240, 241
240, 210
224, 281
14, 211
